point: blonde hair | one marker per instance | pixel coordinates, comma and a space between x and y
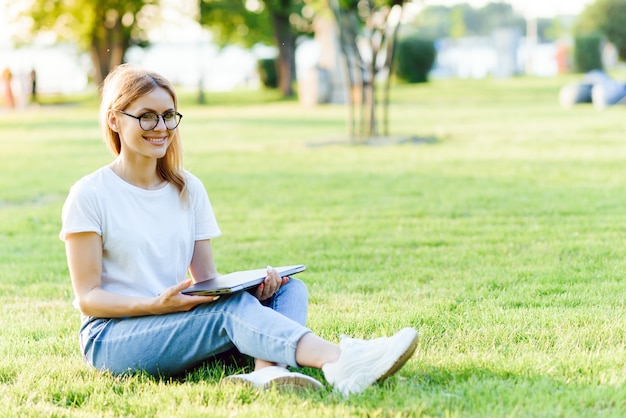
122, 86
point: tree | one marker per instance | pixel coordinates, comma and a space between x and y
433, 22
104, 28
442, 22
376, 23
458, 29
606, 17
499, 15
248, 22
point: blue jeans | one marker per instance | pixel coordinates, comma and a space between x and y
173, 343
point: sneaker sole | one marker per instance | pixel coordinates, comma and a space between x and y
403, 358
284, 383
293, 383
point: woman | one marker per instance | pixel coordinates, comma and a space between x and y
134, 229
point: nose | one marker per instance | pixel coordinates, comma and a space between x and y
160, 126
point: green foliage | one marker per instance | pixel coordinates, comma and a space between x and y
232, 23
105, 28
80, 20
458, 29
247, 23
552, 29
499, 14
462, 19
267, 72
606, 17
588, 53
415, 57
364, 5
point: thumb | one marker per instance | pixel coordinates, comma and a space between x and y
183, 285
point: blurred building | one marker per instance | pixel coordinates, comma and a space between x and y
503, 55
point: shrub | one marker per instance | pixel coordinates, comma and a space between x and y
588, 53
415, 57
267, 72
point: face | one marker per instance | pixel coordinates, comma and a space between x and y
137, 143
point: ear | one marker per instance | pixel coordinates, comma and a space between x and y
112, 120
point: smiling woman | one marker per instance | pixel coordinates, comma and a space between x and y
135, 228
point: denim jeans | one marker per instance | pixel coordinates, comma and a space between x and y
173, 343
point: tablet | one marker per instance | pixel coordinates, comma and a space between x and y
238, 281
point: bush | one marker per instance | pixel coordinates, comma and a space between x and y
415, 57
268, 73
588, 53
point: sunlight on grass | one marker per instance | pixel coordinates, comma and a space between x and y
502, 242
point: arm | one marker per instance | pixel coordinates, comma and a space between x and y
84, 259
202, 265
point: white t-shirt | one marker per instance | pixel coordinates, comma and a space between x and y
148, 236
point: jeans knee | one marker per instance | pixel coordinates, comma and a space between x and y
296, 289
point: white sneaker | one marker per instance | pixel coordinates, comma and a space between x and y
275, 377
364, 362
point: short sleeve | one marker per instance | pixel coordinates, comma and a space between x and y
206, 226
80, 212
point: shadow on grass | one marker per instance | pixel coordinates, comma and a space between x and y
377, 141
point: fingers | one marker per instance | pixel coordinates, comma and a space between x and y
270, 285
279, 281
172, 300
183, 285
204, 299
198, 299
273, 280
271, 272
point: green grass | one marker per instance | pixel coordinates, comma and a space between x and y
503, 243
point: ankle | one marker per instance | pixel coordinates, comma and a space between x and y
313, 351
261, 364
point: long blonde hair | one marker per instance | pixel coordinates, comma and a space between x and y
122, 86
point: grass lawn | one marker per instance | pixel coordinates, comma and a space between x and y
503, 243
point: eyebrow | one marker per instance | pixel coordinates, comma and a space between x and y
148, 110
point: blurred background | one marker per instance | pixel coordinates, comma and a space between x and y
309, 49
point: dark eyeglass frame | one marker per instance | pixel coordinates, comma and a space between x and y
158, 117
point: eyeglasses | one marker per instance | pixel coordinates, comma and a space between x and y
149, 120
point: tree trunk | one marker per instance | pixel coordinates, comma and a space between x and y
286, 63
381, 36
375, 41
348, 25
108, 46
389, 63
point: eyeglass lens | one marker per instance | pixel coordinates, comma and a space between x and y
150, 120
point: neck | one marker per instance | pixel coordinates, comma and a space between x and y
143, 175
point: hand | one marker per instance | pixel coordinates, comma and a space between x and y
172, 300
270, 286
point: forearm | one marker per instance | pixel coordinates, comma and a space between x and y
99, 303
202, 264
102, 304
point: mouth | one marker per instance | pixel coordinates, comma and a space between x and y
157, 140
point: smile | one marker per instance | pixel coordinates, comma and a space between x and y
156, 141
